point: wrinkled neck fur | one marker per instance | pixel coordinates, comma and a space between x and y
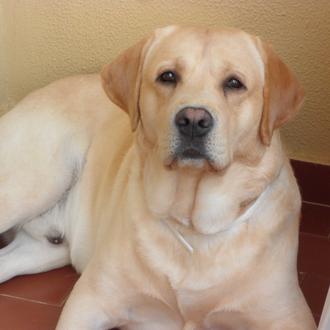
202, 202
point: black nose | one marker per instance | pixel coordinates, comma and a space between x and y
193, 122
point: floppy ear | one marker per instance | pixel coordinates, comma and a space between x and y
121, 79
283, 94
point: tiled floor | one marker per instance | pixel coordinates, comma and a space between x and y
34, 302
314, 251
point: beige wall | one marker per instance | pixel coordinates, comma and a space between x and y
3, 63
42, 40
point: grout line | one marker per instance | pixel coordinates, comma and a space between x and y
314, 235
29, 300
322, 277
318, 204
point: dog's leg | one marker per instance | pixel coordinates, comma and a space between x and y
291, 311
229, 321
98, 304
84, 310
41, 154
28, 255
304, 321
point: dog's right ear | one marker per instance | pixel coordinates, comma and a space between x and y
283, 94
121, 79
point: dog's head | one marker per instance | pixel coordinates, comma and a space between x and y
203, 97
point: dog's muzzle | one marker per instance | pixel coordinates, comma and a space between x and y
193, 125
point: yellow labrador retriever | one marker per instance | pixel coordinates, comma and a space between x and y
189, 222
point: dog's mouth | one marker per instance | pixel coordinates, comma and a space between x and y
194, 154
191, 153
191, 157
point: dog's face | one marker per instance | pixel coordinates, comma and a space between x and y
201, 97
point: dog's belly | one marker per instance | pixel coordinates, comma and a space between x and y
65, 224
49, 226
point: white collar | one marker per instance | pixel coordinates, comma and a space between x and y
178, 236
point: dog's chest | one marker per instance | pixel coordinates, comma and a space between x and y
194, 305
187, 306
195, 293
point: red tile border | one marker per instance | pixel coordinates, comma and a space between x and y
314, 255
315, 219
313, 180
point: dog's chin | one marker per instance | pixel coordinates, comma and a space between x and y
193, 163
192, 159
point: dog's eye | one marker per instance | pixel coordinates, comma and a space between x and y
233, 84
168, 77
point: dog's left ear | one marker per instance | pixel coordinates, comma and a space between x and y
283, 95
121, 79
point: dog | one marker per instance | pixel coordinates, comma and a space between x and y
182, 213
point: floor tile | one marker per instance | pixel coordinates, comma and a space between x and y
313, 180
315, 289
51, 287
317, 318
314, 255
19, 314
315, 219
